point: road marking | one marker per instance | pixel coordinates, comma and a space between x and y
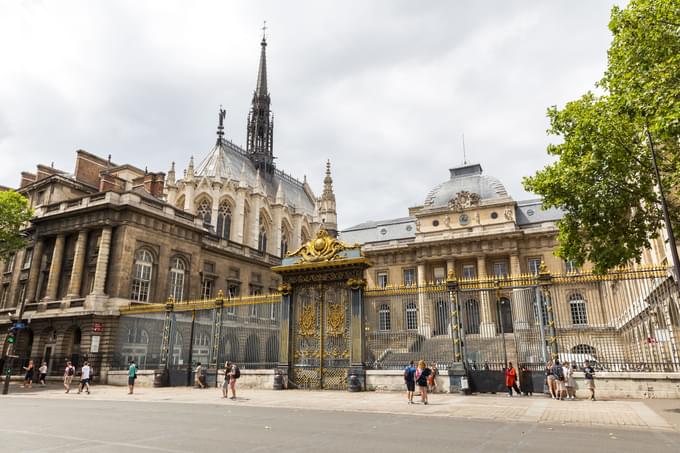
90, 441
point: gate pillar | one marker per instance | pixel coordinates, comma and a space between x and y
457, 372
322, 323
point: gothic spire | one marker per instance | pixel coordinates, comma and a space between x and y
259, 145
326, 204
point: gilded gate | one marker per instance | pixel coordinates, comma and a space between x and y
321, 336
322, 342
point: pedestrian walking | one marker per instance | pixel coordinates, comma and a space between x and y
69, 371
422, 373
225, 382
410, 381
526, 382
558, 373
198, 376
569, 380
589, 375
432, 379
511, 379
550, 379
234, 373
85, 378
28, 377
132, 377
43, 373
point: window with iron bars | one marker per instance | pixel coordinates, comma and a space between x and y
411, 316
384, 321
577, 304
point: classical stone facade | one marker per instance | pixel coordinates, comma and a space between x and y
109, 235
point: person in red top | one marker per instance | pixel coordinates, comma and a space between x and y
511, 379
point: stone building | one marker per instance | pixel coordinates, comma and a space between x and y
108, 235
469, 224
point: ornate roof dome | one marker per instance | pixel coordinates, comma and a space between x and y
467, 186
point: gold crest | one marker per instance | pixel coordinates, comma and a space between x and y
322, 248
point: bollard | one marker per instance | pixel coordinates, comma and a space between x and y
354, 384
278, 380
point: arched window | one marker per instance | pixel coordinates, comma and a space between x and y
384, 321
141, 277
505, 310
204, 211
471, 316
411, 316
584, 349
224, 221
177, 272
262, 238
579, 317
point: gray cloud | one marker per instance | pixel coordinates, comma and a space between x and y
384, 89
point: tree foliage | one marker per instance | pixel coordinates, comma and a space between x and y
14, 213
603, 177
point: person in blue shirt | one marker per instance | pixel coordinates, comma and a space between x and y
410, 380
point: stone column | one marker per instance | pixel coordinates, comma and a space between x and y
522, 301
189, 198
78, 263
34, 273
55, 268
275, 247
487, 327
297, 232
99, 288
254, 222
423, 313
450, 266
237, 233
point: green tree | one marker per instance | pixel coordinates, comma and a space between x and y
14, 213
603, 176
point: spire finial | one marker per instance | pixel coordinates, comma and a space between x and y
220, 126
264, 32
464, 152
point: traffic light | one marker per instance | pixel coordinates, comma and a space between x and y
11, 336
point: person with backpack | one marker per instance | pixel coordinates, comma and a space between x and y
198, 376
422, 373
588, 374
234, 373
410, 381
132, 376
558, 373
69, 371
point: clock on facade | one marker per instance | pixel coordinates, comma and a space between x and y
464, 219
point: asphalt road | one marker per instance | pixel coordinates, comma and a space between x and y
36, 425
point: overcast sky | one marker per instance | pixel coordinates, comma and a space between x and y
385, 89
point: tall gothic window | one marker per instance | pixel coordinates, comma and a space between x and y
224, 221
579, 317
384, 321
284, 242
204, 211
262, 238
141, 278
177, 273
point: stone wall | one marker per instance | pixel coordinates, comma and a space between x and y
120, 377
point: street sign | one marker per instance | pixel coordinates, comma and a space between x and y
98, 327
19, 325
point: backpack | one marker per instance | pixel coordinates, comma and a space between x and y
70, 371
237, 372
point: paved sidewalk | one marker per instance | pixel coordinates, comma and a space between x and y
641, 414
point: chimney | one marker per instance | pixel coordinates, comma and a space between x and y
153, 183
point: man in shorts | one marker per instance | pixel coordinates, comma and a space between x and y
588, 374
410, 381
85, 378
69, 371
234, 373
132, 376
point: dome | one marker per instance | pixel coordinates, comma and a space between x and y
466, 186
